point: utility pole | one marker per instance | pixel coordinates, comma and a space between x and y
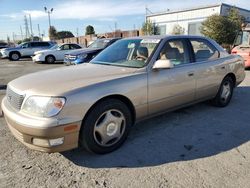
77, 32
49, 12
39, 34
21, 32
13, 36
31, 30
27, 33
115, 28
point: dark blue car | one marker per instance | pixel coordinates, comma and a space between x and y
80, 56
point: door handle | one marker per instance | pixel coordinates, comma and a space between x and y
191, 74
223, 67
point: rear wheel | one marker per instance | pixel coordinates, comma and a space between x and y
14, 56
106, 126
225, 93
50, 59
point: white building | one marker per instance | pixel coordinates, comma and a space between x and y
191, 19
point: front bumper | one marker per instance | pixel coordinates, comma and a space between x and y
73, 62
40, 137
4, 54
38, 58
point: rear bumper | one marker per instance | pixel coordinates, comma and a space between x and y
42, 138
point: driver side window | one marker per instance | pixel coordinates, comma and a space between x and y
176, 51
26, 45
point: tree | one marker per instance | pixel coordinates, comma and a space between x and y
236, 18
178, 30
149, 28
90, 30
64, 34
52, 33
223, 29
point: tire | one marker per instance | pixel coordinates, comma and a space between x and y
225, 93
14, 56
106, 126
50, 59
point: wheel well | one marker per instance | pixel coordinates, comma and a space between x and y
122, 98
15, 52
233, 77
51, 56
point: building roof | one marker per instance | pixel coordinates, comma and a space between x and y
195, 8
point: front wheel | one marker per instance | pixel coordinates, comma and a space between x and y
106, 126
50, 59
15, 56
225, 93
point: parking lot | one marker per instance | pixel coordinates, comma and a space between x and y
199, 146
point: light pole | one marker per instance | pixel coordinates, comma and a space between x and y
49, 12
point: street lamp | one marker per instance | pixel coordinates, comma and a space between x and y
49, 12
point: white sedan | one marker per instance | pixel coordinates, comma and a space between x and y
56, 53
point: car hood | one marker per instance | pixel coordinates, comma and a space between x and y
83, 51
11, 49
56, 82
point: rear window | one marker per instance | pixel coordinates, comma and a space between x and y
204, 50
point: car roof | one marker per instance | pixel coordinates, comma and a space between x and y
167, 36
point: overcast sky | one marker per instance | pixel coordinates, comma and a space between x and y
102, 14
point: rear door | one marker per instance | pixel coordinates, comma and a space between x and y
170, 88
210, 69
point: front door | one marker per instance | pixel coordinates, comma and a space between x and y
170, 88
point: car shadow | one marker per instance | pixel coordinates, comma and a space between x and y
191, 133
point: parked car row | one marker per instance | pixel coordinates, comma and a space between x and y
96, 104
50, 52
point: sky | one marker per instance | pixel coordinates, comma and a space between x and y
75, 15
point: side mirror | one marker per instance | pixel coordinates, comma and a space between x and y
163, 64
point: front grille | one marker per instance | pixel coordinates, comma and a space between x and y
70, 57
14, 99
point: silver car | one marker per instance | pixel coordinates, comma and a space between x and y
94, 105
26, 49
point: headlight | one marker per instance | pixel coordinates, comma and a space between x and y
41, 53
43, 106
82, 56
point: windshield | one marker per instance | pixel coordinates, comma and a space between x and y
243, 38
25, 44
56, 46
127, 53
101, 43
